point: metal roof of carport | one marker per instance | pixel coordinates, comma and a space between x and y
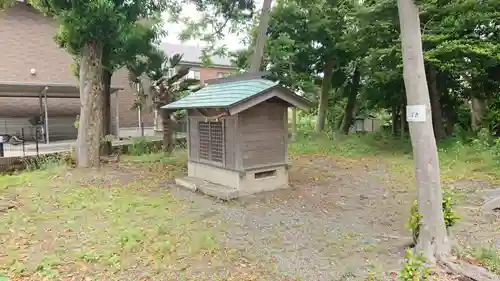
33, 89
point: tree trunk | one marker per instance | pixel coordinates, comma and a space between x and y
258, 53
433, 239
394, 118
402, 120
294, 123
478, 112
89, 129
338, 122
437, 116
325, 94
168, 131
106, 146
351, 102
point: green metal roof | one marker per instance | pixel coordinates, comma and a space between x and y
223, 95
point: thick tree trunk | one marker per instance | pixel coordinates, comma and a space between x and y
433, 239
89, 129
106, 112
168, 131
258, 53
325, 94
351, 102
437, 116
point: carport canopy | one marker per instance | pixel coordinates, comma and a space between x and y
43, 91
39, 89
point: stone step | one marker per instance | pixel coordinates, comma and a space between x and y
189, 183
215, 190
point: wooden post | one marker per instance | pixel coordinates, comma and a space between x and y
46, 121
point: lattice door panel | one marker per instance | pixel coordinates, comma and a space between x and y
204, 136
216, 142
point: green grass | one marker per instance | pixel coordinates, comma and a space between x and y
118, 223
122, 220
66, 220
458, 160
489, 258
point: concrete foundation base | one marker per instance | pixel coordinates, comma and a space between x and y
226, 184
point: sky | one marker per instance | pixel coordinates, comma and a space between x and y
233, 42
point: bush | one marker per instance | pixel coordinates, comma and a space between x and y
44, 162
139, 146
415, 268
450, 217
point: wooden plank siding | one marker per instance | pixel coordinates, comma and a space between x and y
230, 141
194, 139
262, 135
254, 138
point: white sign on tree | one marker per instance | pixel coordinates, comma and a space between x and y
416, 113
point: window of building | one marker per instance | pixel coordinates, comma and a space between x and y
211, 135
194, 74
197, 75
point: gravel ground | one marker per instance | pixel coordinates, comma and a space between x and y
324, 228
337, 221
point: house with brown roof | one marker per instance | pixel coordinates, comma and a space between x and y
36, 79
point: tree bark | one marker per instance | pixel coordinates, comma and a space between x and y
433, 239
351, 102
437, 116
402, 119
168, 131
258, 53
89, 129
106, 112
394, 118
338, 122
325, 94
294, 123
478, 112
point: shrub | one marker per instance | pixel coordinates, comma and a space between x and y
44, 162
450, 217
415, 268
415, 221
139, 146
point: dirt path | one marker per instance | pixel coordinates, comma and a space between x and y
337, 222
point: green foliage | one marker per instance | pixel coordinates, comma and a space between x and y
415, 268
459, 42
76, 123
217, 17
104, 22
140, 146
449, 200
415, 221
166, 77
45, 162
4, 4
490, 258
